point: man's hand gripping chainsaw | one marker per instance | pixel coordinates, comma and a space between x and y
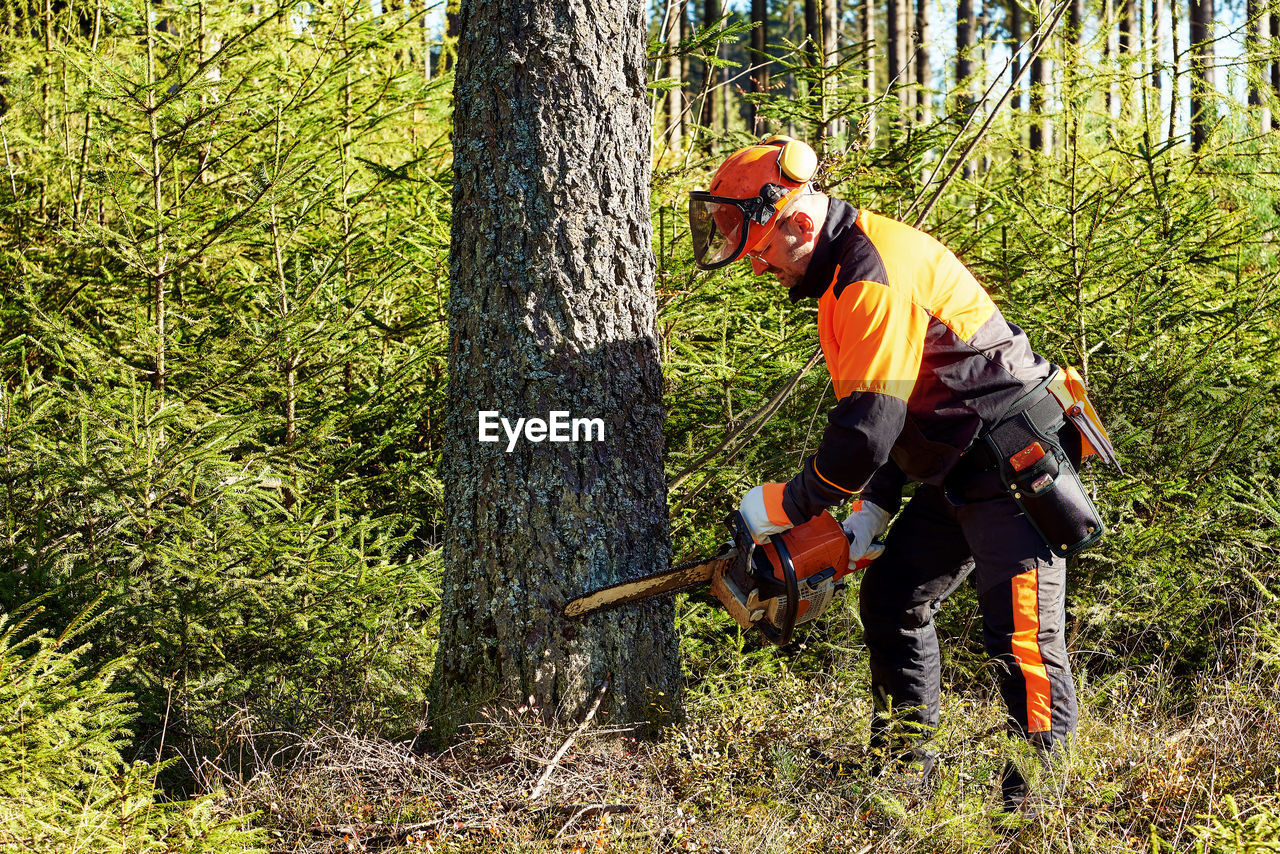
772, 587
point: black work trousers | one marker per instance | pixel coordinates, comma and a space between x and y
1021, 587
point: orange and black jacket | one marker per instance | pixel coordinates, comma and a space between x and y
921, 359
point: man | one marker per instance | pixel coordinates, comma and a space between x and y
924, 368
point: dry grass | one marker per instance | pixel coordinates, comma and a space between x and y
776, 765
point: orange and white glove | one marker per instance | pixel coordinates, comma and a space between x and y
864, 524
761, 508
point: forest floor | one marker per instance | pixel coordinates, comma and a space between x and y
778, 764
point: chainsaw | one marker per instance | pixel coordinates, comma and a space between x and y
772, 587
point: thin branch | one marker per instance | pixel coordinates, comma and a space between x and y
564, 748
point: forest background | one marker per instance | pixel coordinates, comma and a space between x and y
224, 233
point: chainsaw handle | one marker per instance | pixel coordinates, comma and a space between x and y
746, 545
781, 636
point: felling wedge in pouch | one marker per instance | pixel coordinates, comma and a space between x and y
772, 587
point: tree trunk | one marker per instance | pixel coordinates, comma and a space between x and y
1075, 23
1259, 17
964, 65
964, 46
759, 56
449, 44
812, 25
551, 308
675, 97
1174, 7
1275, 51
867, 22
1015, 39
831, 17
894, 43
1253, 19
1157, 44
1036, 83
1200, 34
686, 75
710, 74
924, 57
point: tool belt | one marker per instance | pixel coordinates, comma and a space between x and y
1027, 448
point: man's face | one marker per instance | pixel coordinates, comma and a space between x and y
785, 254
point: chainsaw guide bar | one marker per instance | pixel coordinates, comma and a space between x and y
672, 580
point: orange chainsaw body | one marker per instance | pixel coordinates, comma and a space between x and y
803, 565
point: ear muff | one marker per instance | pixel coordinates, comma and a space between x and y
797, 160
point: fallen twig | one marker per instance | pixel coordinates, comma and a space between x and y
564, 748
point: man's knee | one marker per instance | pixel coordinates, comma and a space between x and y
891, 610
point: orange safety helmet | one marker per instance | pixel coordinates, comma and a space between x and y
749, 189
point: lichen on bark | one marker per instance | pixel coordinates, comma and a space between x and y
552, 307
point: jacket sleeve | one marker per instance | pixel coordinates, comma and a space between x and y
885, 488
881, 342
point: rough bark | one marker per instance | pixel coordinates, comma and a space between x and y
551, 308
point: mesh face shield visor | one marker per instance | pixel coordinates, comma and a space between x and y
723, 228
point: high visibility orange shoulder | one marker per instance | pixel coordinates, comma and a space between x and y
934, 277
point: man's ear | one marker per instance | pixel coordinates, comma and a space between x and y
805, 228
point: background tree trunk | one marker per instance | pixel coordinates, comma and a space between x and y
924, 58
1015, 66
1036, 85
759, 56
1275, 46
710, 74
867, 25
1075, 23
675, 98
896, 44
964, 65
964, 46
1157, 45
1259, 17
1200, 20
1110, 51
551, 308
832, 14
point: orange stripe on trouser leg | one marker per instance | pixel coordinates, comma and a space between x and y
773, 504
1026, 649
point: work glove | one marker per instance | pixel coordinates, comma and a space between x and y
867, 522
761, 508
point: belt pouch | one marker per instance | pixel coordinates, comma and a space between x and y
1040, 478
